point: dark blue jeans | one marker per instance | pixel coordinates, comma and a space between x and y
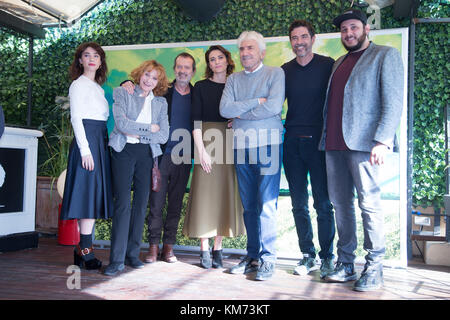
258, 174
300, 157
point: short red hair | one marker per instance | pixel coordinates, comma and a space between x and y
148, 66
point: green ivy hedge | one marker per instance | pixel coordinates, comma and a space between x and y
103, 232
431, 96
159, 21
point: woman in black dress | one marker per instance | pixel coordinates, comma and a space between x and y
214, 208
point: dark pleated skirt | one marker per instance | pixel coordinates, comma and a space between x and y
88, 194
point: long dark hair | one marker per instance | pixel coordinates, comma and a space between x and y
76, 69
230, 68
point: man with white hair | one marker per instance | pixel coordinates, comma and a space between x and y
253, 98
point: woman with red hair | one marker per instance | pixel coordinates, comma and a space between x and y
141, 126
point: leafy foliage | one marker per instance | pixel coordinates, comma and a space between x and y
431, 95
434, 9
162, 21
58, 151
103, 231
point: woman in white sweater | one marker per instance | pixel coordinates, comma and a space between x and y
88, 187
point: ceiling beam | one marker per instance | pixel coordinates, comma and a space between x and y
64, 22
12, 22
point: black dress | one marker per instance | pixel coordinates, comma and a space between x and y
214, 206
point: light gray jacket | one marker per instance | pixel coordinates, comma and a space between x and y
126, 109
373, 99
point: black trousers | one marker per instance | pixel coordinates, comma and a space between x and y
174, 179
131, 170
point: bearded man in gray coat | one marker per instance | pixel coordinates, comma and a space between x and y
361, 115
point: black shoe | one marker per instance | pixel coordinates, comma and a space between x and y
371, 279
77, 260
217, 259
205, 259
93, 264
80, 261
134, 263
343, 272
265, 271
113, 268
247, 265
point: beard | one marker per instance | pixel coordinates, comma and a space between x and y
358, 45
305, 52
182, 77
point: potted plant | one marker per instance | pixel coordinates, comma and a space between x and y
57, 148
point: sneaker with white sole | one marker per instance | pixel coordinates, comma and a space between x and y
343, 272
305, 266
371, 279
326, 268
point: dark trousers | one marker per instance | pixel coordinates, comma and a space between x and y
131, 170
347, 171
300, 157
174, 179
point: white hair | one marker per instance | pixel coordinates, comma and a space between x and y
252, 35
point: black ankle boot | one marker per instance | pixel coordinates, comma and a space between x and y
84, 255
205, 259
79, 259
217, 259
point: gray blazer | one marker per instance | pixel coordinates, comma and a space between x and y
373, 99
126, 109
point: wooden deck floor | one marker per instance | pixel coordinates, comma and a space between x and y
41, 274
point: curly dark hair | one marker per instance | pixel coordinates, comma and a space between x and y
76, 69
230, 68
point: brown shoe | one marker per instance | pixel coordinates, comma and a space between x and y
152, 254
167, 254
